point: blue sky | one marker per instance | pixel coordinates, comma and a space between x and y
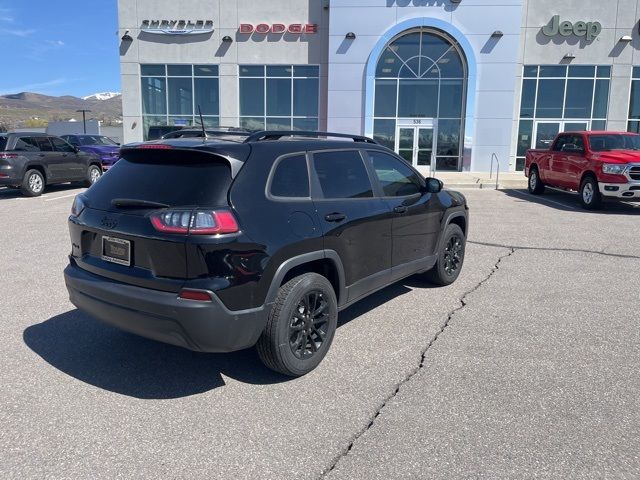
59, 47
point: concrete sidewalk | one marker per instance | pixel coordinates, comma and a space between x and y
480, 179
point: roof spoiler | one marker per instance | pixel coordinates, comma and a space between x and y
278, 134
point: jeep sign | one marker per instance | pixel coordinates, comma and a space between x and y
589, 30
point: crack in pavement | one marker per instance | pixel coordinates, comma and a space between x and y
415, 370
549, 249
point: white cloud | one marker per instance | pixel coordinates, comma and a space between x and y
41, 87
16, 32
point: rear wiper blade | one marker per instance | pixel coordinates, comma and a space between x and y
135, 203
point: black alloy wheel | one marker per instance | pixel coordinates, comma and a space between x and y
450, 257
453, 252
309, 323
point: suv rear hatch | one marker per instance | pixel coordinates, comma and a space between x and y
128, 228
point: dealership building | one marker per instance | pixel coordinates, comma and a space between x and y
448, 84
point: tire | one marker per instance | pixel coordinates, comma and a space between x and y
289, 326
94, 173
32, 184
590, 197
535, 185
450, 257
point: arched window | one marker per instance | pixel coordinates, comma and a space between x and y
421, 74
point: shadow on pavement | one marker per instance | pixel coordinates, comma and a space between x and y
569, 202
124, 363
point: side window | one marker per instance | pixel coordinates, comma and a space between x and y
291, 178
60, 145
578, 141
44, 143
560, 143
396, 178
27, 144
342, 174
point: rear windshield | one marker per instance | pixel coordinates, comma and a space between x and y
201, 182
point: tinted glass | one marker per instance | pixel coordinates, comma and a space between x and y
550, 98
205, 70
179, 70
388, 65
527, 103
605, 72
278, 123
560, 142
553, 71
598, 125
407, 46
27, 144
530, 71
207, 96
154, 96
44, 143
291, 178
582, 71
305, 97
450, 99
252, 70
60, 145
179, 182
306, 71
308, 124
449, 137
279, 97
603, 143
578, 99
180, 96
279, 71
152, 70
251, 96
524, 137
634, 107
385, 101
396, 178
95, 140
418, 98
601, 99
342, 175
384, 132
3, 142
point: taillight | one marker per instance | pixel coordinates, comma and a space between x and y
198, 295
78, 206
155, 146
5, 156
200, 222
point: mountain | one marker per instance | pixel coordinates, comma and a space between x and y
28, 109
102, 96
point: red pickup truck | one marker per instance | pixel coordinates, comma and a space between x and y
596, 164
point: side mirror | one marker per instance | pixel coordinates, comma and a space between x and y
433, 185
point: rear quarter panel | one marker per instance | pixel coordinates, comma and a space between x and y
540, 158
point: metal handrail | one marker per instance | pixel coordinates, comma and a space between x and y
495, 157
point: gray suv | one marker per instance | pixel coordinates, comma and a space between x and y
30, 161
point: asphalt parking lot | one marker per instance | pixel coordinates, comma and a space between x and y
525, 367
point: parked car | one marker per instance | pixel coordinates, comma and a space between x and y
209, 132
221, 245
596, 164
30, 161
107, 149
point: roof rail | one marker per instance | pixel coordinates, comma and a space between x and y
278, 134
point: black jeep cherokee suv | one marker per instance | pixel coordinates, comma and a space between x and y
228, 243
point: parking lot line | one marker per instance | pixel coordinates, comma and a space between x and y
63, 196
544, 199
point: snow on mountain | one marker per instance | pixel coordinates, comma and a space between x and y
101, 96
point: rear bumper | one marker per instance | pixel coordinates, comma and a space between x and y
162, 316
622, 191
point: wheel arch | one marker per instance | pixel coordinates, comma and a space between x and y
38, 167
325, 262
587, 173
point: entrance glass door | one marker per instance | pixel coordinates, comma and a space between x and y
416, 143
546, 131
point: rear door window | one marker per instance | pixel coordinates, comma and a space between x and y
3, 142
202, 180
27, 144
291, 177
61, 146
44, 143
342, 174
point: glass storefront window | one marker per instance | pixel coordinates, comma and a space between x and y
559, 98
633, 124
279, 97
171, 95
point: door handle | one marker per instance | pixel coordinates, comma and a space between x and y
335, 217
400, 209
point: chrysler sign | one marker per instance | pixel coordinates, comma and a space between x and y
177, 27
